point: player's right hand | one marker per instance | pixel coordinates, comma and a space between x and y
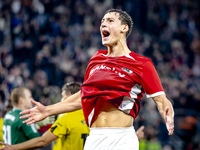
34, 114
6, 146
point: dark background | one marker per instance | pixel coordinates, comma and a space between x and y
46, 43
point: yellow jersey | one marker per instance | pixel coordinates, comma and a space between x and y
71, 130
1, 131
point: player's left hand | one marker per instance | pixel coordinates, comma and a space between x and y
140, 133
6, 146
169, 121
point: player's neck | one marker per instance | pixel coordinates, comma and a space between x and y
20, 107
120, 48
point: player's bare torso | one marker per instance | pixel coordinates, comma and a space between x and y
110, 116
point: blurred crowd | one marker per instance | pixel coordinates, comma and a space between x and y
46, 43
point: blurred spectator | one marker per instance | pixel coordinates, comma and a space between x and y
44, 44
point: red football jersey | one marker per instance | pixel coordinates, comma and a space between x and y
121, 80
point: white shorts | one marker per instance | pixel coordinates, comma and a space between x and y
112, 139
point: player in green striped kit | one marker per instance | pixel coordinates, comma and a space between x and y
14, 131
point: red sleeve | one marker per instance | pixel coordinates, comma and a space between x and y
150, 81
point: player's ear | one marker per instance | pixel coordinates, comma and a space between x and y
21, 100
125, 28
68, 94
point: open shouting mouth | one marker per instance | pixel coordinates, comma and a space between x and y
105, 33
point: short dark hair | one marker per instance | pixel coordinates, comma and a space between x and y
71, 87
124, 18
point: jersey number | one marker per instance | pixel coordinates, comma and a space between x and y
7, 134
84, 136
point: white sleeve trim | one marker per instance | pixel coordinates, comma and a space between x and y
155, 94
90, 117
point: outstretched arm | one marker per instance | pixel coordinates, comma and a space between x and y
44, 140
40, 112
166, 110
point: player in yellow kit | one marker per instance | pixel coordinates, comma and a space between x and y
1, 131
8, 108
64, 129
70, 129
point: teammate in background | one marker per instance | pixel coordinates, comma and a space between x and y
115, 82
70, 129
14, 131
